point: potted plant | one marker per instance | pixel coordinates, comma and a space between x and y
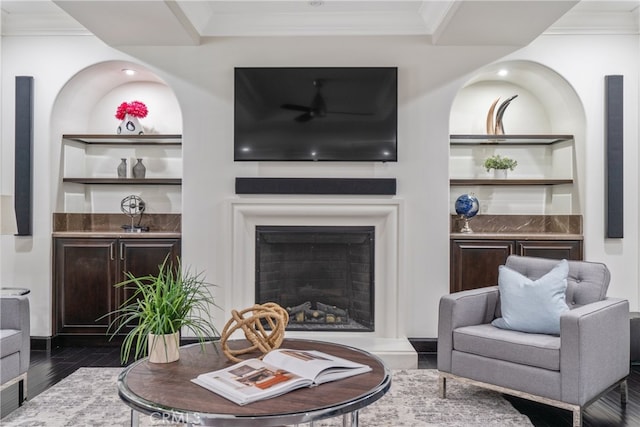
500, 165
159, 307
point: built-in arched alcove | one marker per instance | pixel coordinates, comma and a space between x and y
546, 105
87, 105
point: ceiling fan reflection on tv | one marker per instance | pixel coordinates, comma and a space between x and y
318, 106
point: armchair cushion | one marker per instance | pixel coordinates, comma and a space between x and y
537, 350
532, 306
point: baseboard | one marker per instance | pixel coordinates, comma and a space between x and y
41, 343
424, 345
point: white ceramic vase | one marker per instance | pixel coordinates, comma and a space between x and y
130, 126
164, 348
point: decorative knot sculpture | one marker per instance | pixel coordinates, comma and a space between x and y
252, 321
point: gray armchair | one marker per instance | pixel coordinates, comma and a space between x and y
14, 343
590, 356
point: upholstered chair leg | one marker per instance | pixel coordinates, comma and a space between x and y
624, 392
442, 387
577, 417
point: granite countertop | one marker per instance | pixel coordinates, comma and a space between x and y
110, 226
120, 234
519, 227
515, 236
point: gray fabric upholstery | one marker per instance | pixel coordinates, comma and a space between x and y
590, 355
538, 350
15, 336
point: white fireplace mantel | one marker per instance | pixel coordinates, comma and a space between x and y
388, 341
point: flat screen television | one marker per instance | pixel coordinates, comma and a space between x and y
316, 114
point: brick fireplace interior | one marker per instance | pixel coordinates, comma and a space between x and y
323, 275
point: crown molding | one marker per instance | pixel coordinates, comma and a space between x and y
46, 24
597, 23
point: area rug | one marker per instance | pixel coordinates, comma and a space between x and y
89, 397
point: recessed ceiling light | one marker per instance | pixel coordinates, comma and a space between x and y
128, 71
316, 3
503, 72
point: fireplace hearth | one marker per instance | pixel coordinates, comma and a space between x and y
323, 275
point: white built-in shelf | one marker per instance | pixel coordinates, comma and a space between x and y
151, 139
458, 182
125, 181
508, 139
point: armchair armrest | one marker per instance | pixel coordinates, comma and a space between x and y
14, 314
594, 349
472, 307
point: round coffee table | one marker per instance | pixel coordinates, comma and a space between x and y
165, 391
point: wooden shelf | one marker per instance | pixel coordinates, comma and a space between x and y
508, 139
125, 181
152, 139
510, 181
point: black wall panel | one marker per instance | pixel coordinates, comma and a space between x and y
614, 150
23, 174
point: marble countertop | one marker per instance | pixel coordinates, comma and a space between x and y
516, 236
119, 234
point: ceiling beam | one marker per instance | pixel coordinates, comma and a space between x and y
140, 23
498, 23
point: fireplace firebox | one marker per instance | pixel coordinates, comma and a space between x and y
322, 275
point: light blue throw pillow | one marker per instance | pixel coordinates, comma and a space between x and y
532, 306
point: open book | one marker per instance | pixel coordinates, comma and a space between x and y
280, 371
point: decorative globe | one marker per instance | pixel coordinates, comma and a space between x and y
467, 205
132, 205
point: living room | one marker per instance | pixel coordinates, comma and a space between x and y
76, 92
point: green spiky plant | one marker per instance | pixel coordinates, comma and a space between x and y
163, 304
498, 162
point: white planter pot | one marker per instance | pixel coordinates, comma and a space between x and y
164, 348
500, 173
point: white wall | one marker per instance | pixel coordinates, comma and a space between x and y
429, 78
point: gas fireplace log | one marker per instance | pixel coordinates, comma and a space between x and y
314, 315
332, 309
298, 308
296, 314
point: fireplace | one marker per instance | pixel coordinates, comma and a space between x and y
388, 341
322, 275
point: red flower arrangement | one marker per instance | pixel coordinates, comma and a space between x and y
135, 109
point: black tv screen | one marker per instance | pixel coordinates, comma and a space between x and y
315, 114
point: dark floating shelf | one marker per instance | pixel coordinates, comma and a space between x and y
510, 181
508, 139
125, 181
150, 139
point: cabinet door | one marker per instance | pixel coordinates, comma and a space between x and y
84, 273
554, 249
474, 263
142, 257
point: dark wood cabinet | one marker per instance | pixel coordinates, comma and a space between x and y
86, 270
474, 263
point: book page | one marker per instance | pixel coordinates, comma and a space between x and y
250, 380
315, 365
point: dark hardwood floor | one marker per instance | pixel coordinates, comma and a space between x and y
47, 368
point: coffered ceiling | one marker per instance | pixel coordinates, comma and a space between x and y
441, 22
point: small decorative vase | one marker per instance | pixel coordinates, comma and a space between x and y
139, 170
122, 169
164, 348
130, 126
500, 173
